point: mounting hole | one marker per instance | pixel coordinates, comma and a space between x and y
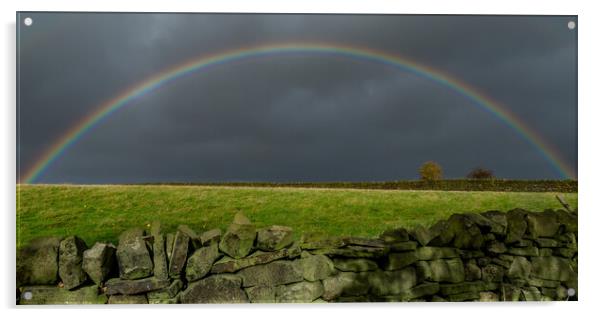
27, 295
571, 25
570, 292
27, 21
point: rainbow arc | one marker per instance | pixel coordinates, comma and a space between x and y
478, 99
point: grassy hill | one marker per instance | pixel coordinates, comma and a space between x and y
100, 213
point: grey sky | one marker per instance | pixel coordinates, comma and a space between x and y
294, 118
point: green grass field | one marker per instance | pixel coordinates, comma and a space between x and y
100, 213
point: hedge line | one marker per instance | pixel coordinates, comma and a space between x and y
503, 185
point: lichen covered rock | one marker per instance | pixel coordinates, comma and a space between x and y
274, 238
37, 263
271, 274
98, 261
215, 289
52, 295
238, 240
200, 262
133, 256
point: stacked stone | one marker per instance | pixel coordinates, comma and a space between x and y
493, 256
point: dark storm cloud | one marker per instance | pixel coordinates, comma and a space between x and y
294, 118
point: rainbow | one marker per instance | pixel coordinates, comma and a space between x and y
76, 132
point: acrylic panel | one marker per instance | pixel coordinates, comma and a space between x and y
167, 158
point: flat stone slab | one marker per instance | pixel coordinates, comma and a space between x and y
402, 246
215, 289
471, 254
164, 294
261, 294
354, 265
488, 297
271, 274
425, 289
375, 243
434, 253
546, 252
542, 283
527, 251
131, 287
312, 242
352, 251
164, 301
353, 299
396, 261
127, 299
466, 287
551, 268
395, 235
52, 295
463, 297
302, 292
230, 265
546, 243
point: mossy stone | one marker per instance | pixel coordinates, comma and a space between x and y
71, 254
98, 261
354, 265
200, 262
37, 262
274, 238
271, 274
215, 289
238, 240
301, 292
52, 295
133, 256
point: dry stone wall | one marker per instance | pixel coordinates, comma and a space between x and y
492, 256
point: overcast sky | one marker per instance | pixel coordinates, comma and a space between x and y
307, 117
